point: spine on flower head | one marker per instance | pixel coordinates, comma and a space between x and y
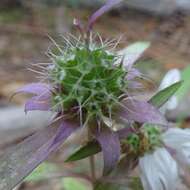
78, 24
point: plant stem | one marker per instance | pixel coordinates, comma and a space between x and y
92, 162
92, 168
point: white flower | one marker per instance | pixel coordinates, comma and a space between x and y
179, 140
161, 169
158, 171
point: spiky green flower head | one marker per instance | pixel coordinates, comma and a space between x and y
88, 79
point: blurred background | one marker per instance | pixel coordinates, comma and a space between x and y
24, 29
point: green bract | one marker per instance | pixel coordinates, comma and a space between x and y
133, 141
147, 139
152, 133
88, 79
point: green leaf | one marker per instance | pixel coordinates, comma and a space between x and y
73, 184
163, 96
89, 149
41, 172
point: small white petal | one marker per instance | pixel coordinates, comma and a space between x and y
175, 137
172, 103
184, 153
179, 140
159, 171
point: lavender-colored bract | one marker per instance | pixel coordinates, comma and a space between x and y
133, 73
36, 89
123, 133
109, 5
41, 99
142, 112
37, 103
18, 162
110, 144
135, 85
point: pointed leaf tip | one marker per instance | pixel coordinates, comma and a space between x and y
91, 148
163, 96
105, 8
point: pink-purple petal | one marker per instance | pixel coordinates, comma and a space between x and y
41, 99
110, 144
38, 103
133, 73
142, 112
18, 162
135, 85
105, 8
123, 133
35, 88
64, 131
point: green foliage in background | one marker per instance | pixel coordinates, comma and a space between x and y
44, 170
72, 3
73, 184
41, 172
185, 88
11, 16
